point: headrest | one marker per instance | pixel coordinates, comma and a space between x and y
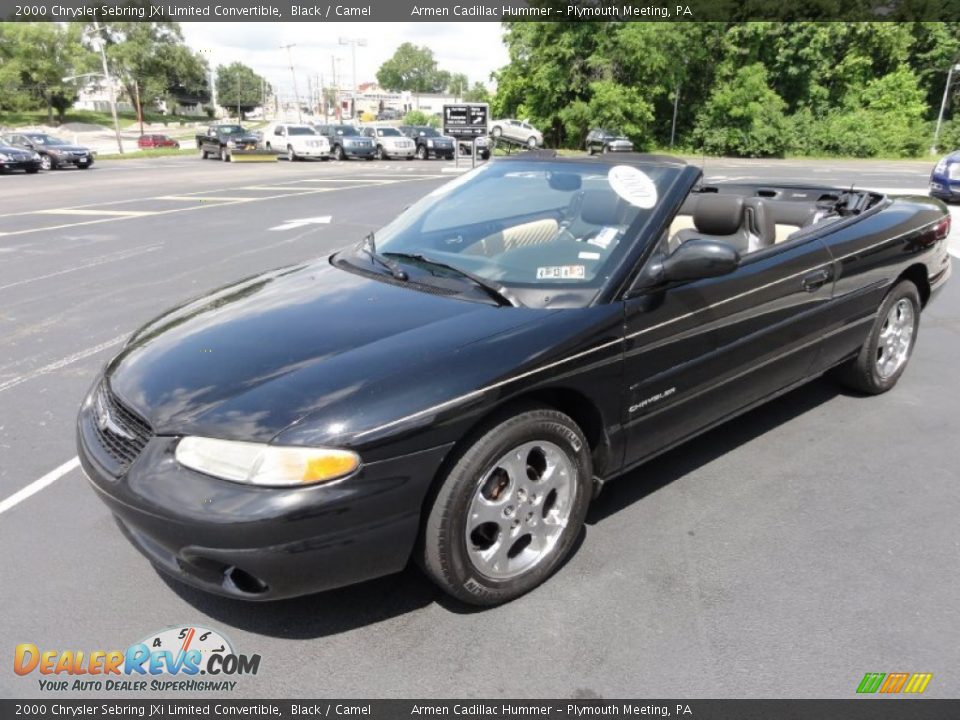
718, 214
600, 207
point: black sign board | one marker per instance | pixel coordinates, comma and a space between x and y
465, 121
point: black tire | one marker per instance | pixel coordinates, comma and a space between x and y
444, 554
47, 163
32, 170
422, 153
203, 153
291, 155
224, 155
337, 152
497, 131
531, 142
862, 373
379, 153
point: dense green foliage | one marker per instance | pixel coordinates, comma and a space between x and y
747, 89
150, 61
415, 69
418, 117
239, 87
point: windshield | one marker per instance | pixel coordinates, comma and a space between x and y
532, 224
345, 130
388, 132
428, 132
46, 140
231, 129
300, 131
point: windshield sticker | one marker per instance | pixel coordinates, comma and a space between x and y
562, 272
589, 256
604, 237
633, 185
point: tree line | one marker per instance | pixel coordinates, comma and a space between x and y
746, 89
43, 66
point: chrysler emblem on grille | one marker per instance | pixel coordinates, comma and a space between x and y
105, 420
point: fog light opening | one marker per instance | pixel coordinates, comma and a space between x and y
244, 581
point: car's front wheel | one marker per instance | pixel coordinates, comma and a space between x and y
46, 162
422, 152
291, 155
886, 352
531, 142
510, 508
337, 152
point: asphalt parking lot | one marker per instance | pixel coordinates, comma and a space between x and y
784, 555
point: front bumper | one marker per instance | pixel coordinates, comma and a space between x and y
394, 152
73, 159
20, 165
443, 151
312, 152
258, 543
359, 152
944, 188
619, 147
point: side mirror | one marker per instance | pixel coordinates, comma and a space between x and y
694, 260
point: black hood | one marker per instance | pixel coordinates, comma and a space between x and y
249, 360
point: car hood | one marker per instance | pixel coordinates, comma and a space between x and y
16, 152
249, 360
66, 148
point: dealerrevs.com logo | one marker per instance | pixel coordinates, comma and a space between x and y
171, 660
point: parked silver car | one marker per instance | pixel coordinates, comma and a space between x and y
391, 143
519, 131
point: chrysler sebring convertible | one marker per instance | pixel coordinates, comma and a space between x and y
456, 387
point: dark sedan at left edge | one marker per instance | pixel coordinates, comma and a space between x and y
456, 387
945, 178
15, 158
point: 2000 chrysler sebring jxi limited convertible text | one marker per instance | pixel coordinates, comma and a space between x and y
457, 386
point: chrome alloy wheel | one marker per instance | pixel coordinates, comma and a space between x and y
896, 337
519, 510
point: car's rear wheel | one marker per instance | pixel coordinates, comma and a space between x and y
291, 155
531, 142
203, 154
509, 509
887, 350
46, 162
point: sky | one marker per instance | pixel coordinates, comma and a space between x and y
474, 48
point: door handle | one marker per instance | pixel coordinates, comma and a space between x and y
816, 279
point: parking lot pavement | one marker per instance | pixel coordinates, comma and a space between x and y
785, 554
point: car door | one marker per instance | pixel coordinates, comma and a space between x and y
701, 351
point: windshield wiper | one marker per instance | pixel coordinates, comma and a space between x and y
370, 248
497, 292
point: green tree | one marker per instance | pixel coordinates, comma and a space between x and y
477, 94
411, 68
744, 116
239, 87
35, 59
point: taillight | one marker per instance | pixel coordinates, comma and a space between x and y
943, 227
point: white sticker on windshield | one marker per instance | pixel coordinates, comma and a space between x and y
604, 237
633, 185
588, 256
562, 272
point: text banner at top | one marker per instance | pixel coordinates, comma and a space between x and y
472, 11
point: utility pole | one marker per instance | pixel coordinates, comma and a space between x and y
943, 107
353, 42
296, 94
101, 44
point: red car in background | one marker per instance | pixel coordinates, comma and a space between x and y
156, 141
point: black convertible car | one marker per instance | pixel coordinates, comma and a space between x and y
456, 387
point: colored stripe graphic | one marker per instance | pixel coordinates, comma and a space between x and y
871, 682
894, 682
918, 682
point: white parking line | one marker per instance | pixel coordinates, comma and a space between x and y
61, 363
103, 259
38, 485
77, 211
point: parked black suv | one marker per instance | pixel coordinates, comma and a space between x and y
346, 141
430, 143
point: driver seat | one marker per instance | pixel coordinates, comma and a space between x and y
745, 224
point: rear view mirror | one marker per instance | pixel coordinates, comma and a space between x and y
564, 182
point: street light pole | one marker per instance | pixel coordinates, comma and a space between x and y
943, 107
353, 42
106, 75
296, 94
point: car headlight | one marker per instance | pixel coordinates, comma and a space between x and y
429, 143
953, 171
268, 465
4, 158
231, 143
